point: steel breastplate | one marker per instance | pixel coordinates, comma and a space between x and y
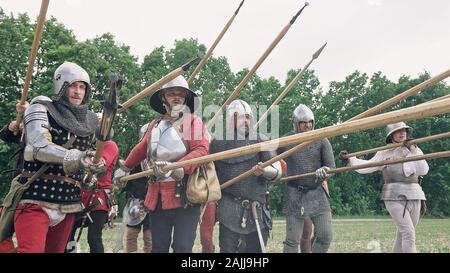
165, 143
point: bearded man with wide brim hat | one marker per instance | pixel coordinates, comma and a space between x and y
176, 135
402, 194
58, 134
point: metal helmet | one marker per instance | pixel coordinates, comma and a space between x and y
157, 99
391, 128
131, 212
239, 106
302, 113
65, 75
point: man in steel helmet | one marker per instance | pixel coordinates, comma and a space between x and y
306, 197
58, 133
238, 231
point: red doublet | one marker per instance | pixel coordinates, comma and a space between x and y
198, 145
110, 154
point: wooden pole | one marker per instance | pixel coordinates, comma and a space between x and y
372, 164
395, 145
411, 113
367, 113
252, 71
32, 59
211, 49
289, 87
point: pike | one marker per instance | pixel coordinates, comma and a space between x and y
211, 49
157, 85
103, 134
31, 60
395, 145
368, 113
414, 112
252, 71
373, 164
289, 87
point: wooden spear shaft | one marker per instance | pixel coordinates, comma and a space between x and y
252, 71
150, 90
395, 145
31, 60
372, 164
211, 49
411, 113
289, 87
367, 113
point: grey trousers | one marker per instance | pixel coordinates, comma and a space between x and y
406, 224
322, 232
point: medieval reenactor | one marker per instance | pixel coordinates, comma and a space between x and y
306, 197
177, 135
239, 229
137, 216
58, 133
402, 193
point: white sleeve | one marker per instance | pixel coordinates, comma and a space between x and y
379, 156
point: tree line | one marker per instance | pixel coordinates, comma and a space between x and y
351, 193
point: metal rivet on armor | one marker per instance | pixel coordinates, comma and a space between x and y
58, 174
73, 190
60, 167
64, 138
53, 188
84, 140
60, 189
56, 138
62, 183
78, 147
44, 187
59, 197
51, 196
54, 181
66, 197
36, 186
35, 164
45, 180
67, 190
34, 193
43, 195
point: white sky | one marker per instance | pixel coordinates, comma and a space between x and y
393, 36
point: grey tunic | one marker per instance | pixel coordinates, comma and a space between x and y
315, 201
253, 188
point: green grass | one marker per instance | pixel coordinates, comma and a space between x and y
350, 235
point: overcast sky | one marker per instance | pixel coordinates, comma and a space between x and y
393, 36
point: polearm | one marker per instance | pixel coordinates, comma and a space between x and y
373, 164
289, 87
252, 71
31, 60
440, 98
370, 112
395, 145
103, 134
211, 49
414, 112
157, 85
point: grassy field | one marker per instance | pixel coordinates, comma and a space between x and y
351, 235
